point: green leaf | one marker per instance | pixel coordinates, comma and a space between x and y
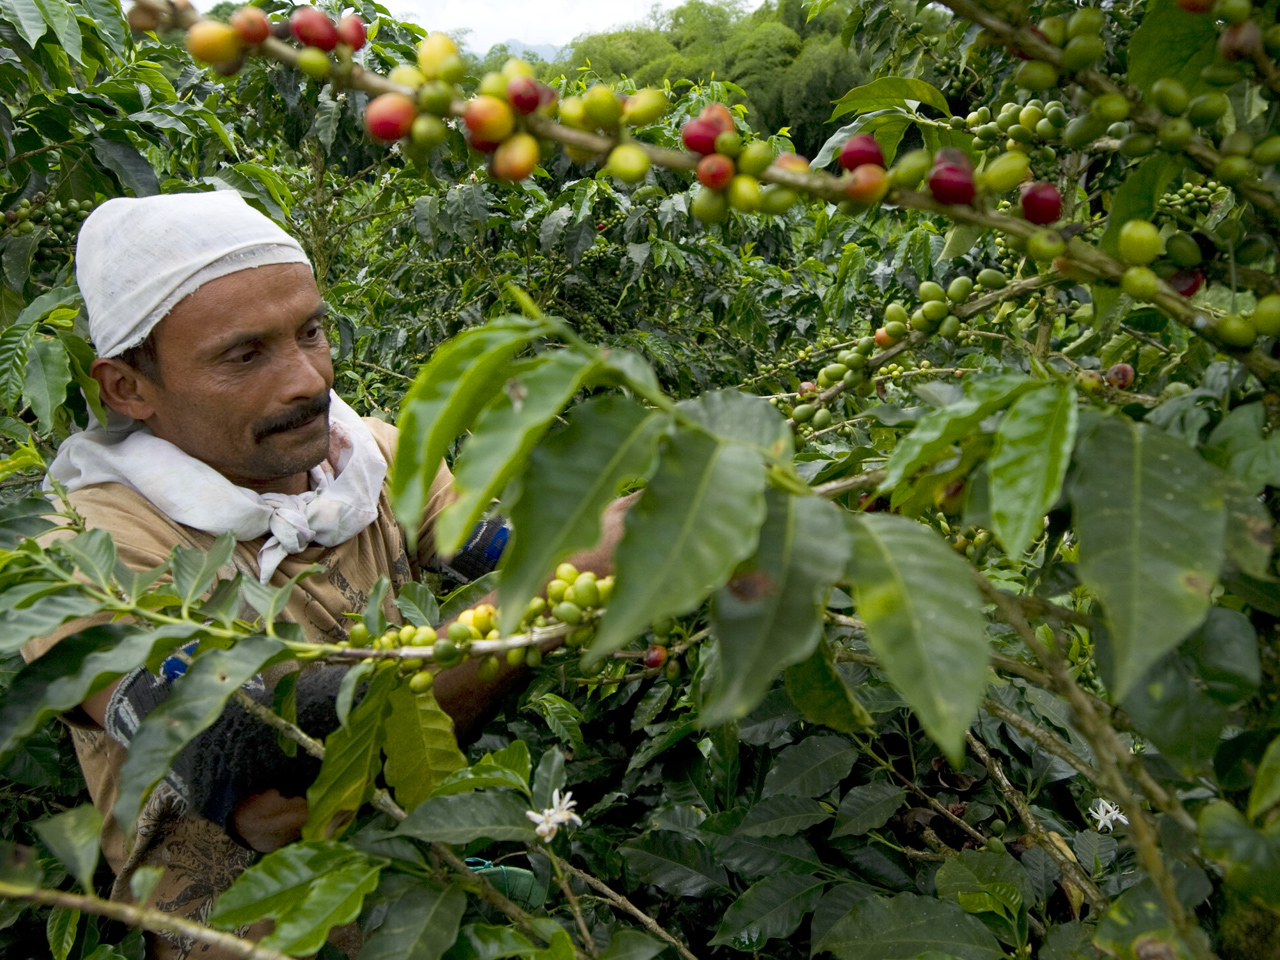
549, 777
1169, 706
462, 376
74, 670
562, 717
975, 869
698, 519
924, 622
1171, 42
780, 593
194, 569
782, 816
890, 92
822, 696
132, 169
811, 768
25, 15
73, 838
94, 554
939, 429
572, 476
1266, 784
508, 767
1225, 652
906, 926
504, 434
738, 417
109, 23
1250, 858
15, 342
418, 605
352, 756
678, 864
420, 746
1137, 197
868, 807
479, 941
60, 930
20, 866
421, 925
470, 816
306, 888
760, 856
1150, 521
41, 618
47, 375
197, 700
1033, 448
770, 908
632, 945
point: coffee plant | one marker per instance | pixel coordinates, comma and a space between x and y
946, 620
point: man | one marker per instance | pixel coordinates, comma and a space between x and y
214, 363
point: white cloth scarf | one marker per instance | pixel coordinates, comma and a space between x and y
342, 501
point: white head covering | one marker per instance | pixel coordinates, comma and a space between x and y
136, 258
134, 261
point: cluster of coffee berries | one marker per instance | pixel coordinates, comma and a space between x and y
1025, 128
61, 221
1189, 200
729, 169
1118, 376
571, 598
1079, 37
420, 677
224, 45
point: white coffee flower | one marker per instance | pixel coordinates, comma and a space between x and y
1107, 814
559, 814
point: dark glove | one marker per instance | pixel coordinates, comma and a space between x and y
238, 756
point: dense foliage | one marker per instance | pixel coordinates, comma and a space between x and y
947, 620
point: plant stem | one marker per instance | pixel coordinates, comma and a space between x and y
145, 917
622, 903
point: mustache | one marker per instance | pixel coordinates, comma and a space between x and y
294, 418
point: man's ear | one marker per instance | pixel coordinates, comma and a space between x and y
124, 389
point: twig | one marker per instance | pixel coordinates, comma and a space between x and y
588, 942
1047, 739
622, 903
145, 917
1069, 866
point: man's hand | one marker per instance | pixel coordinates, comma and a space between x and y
267, 821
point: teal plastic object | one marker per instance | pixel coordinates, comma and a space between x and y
515, 883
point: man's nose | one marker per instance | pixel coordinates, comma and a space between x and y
302, 376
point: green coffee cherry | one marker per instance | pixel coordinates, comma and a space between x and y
1170, 96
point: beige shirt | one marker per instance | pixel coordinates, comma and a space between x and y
199, 860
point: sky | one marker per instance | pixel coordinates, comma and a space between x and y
529, 21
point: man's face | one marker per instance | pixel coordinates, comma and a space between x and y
246, 374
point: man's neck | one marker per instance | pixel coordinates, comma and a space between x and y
298, 483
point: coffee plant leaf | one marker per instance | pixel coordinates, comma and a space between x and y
890, 92
1137, 197
572, 476
75, 669
482, 941
753, 857
821, 695
1265, 793
421, 924
632, 945
781, 591
1224, 650
909, 925
811, 768
924, 621
1250, 537
782, 816
679, 865
867, 807
73, 838
450, 390
1169, 706
1033, 448
770, 908
61, 929
508, 767
698, 519
939, 429
352, 758
462, 818
742, 418
1151, 524
41, 617
1250, 858
306, 888
48, 373
418, 605
549, 777
22, 519
1171, 42
420, 747
199, 697
194, 570
503, 435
